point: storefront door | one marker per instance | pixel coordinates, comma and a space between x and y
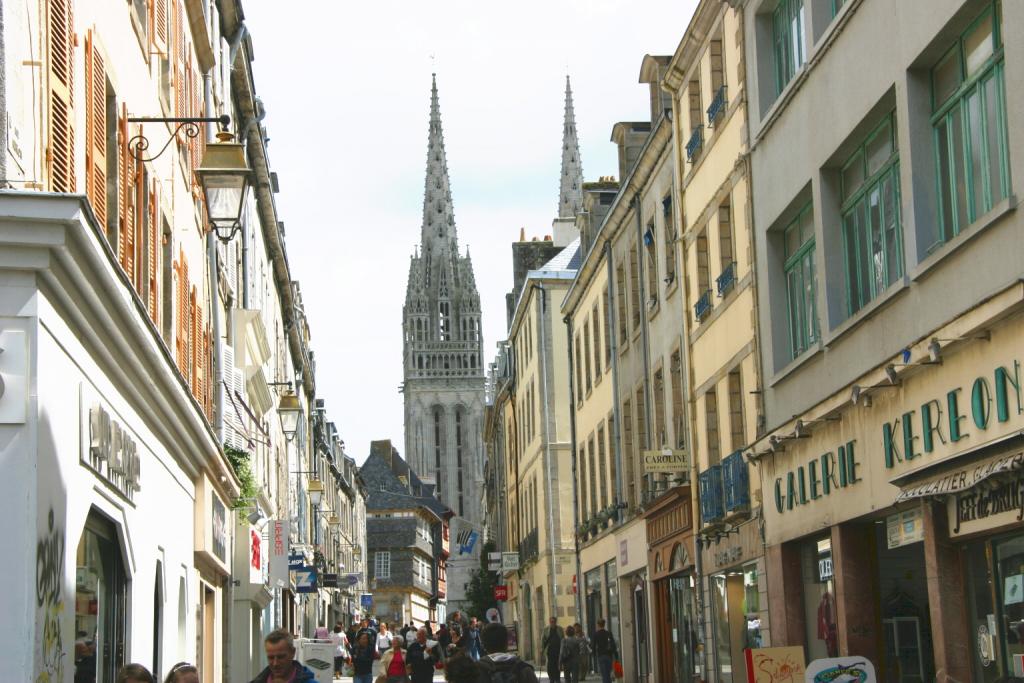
684, 628
640, 634
996, 608
100, 603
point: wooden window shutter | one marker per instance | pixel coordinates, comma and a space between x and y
191, 334
158, 25
95, 128
126, 199
181, 329
196, 143
178, 58
141, 222
60, 90
153, 300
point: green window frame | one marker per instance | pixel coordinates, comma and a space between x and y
788, 41
801, 281
872, 229
969, 123
836, 6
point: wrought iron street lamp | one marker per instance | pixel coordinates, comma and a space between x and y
224, 176
289, 410
315, 489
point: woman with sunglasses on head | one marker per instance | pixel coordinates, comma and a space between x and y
183, 672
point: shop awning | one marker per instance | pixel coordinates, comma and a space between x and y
961, 475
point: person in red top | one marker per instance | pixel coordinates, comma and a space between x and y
393, 663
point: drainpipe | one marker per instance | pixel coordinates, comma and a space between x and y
575, 469
644, 332
552, 508
3, 98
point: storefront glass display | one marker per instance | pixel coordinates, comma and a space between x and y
720, 618
822, 637
100, 611
1010, 556
611, 579
752, 608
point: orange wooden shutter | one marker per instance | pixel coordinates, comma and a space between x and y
95, 129
154, 252
190, 333
196, 143
178, 58
160, 22
181, 328
127, 199
60, 90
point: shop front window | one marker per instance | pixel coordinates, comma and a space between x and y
592, 583
819, 599
720, 615
752, 608
640, 634
100, 610
1010, 555
611, 578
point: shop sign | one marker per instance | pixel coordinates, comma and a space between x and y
728, 556
256, 558
995, 505
329, 581
665, 460
904, 528
501, 593
774, 664
494, 562
510, 562
366, 600
819, 478
963, 478
306, 580
942, 421
825, 572
278, 552
111, 452
858, 669
219, 528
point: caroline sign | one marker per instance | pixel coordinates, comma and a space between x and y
112, 452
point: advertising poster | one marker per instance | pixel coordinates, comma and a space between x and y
775, 665
841, 670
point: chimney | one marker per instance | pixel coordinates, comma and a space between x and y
652, 72
630, 137
382, 448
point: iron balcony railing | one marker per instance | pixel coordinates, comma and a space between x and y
528, 548
695, 142
717, 107
711, 495
727, 279
735, 483
703, 305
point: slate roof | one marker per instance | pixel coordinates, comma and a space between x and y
385, 491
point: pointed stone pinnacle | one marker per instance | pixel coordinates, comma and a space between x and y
570, 199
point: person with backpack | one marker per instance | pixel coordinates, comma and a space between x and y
570, 655
605, 650
584, 651
498, 666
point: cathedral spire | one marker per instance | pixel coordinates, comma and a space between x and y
438, 230
570, 198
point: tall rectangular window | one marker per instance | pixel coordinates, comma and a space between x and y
969, 120
596, 317
642, 441
669, 234
607, 328
634, 286
627, 452
592, 472
725, 247
736, 427
581, 469
382, 565
586, 355
872, 235
801, 282
711, 426
678, 423
613, 470
651, 247
660, 437
788, 41
620, 298
602, 463
579, 370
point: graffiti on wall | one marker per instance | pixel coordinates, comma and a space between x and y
50, 602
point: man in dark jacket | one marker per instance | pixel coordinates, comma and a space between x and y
498, 662
551, 645
281, 664
604, 649
421, 656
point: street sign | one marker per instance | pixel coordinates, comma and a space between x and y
501, 593
366, 600
306, 580
493, 562
665, 460
279, 552
296, 560
510, 562
329, 581
347, 580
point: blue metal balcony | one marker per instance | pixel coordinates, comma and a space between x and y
727, 280
695, 142
703, 306
711, 510
736, 484
717, 107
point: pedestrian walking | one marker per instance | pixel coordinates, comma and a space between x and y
605, 650
473, 639
134, 673
444, 638
361, 656
384, 638
584, 651
569, 656
423, 656
430, 629
394, 667
340, 642
281, 665
551, 645
497, 664
183, 672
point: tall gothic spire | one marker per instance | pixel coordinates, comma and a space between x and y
570, 198
438, 228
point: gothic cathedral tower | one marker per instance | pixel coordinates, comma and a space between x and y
443, 372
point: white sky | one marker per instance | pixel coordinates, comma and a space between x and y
347, 91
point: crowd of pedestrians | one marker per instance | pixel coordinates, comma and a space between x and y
467, 651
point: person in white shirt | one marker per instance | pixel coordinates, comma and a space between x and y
340, 642
384, 638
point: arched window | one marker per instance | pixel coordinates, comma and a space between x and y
101, 595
